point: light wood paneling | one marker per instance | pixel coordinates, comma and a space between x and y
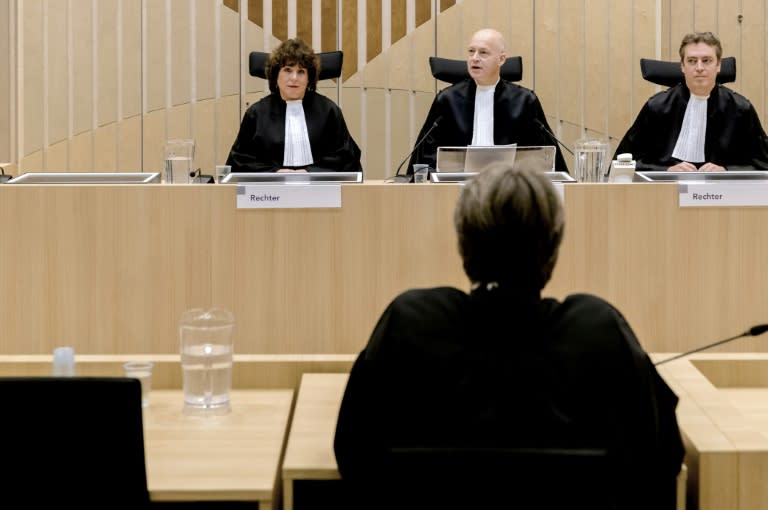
377, 130
110, 61
205, 54
349, 37
81, 153
230, 70
109, 269
545, 69
32, 91
130, 76
57, 156
373, 35
106, 76
180, 53
7, 77
624, 72
329, 25
304, 16
105, 148
753, 51
155, 61
129, 145
57, 76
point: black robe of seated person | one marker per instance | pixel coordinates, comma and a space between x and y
260, 144
734, 139
515, 112
490, 369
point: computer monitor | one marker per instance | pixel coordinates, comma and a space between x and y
459, 164
476, 158
87, 178
292, 177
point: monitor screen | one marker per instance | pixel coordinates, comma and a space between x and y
292, 177
476, 158
86, 178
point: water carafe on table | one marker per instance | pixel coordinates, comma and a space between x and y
178, 155
206, 360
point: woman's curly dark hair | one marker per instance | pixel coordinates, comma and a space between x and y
289, 53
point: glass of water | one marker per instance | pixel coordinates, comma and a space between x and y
590, 159
206, 360
178, 154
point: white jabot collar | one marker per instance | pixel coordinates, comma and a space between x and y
297, 151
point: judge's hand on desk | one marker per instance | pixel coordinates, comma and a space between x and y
685, 166
292, 170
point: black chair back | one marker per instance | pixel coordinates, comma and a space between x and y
669, 74
454, 71
448, 478
75, 442
331, 63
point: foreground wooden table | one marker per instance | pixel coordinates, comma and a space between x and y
723, 415
235, 457
309, 451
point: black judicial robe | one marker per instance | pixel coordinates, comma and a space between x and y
515, 110
734, 139
260, 144
487, 369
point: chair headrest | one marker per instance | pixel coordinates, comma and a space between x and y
453, 71
330, 64
669, 74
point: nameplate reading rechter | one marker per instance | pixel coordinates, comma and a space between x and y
288, 196
723, 194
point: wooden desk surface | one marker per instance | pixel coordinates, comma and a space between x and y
309, 451
217, 458
723, 415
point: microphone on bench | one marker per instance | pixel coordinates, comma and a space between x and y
753, 331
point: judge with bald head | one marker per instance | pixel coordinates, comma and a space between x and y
484, 109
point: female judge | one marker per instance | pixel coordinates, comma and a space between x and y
294, 129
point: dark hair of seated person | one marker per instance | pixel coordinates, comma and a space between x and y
289, 53
496, 217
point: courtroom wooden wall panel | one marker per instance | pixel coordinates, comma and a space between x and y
7, 74
57, 74
105, 147
109, 269
666, 268
113, 60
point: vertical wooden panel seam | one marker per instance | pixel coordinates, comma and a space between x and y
317, 23
119, 71
14, 155
144, 84
217, 80
362, 51
192, 68
46, 84
20, 124
94, 77
168, 64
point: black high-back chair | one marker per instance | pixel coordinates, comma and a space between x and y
453, 71
331, 63
669, 74
74, 442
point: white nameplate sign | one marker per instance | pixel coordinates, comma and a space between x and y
723, 194
288, 196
